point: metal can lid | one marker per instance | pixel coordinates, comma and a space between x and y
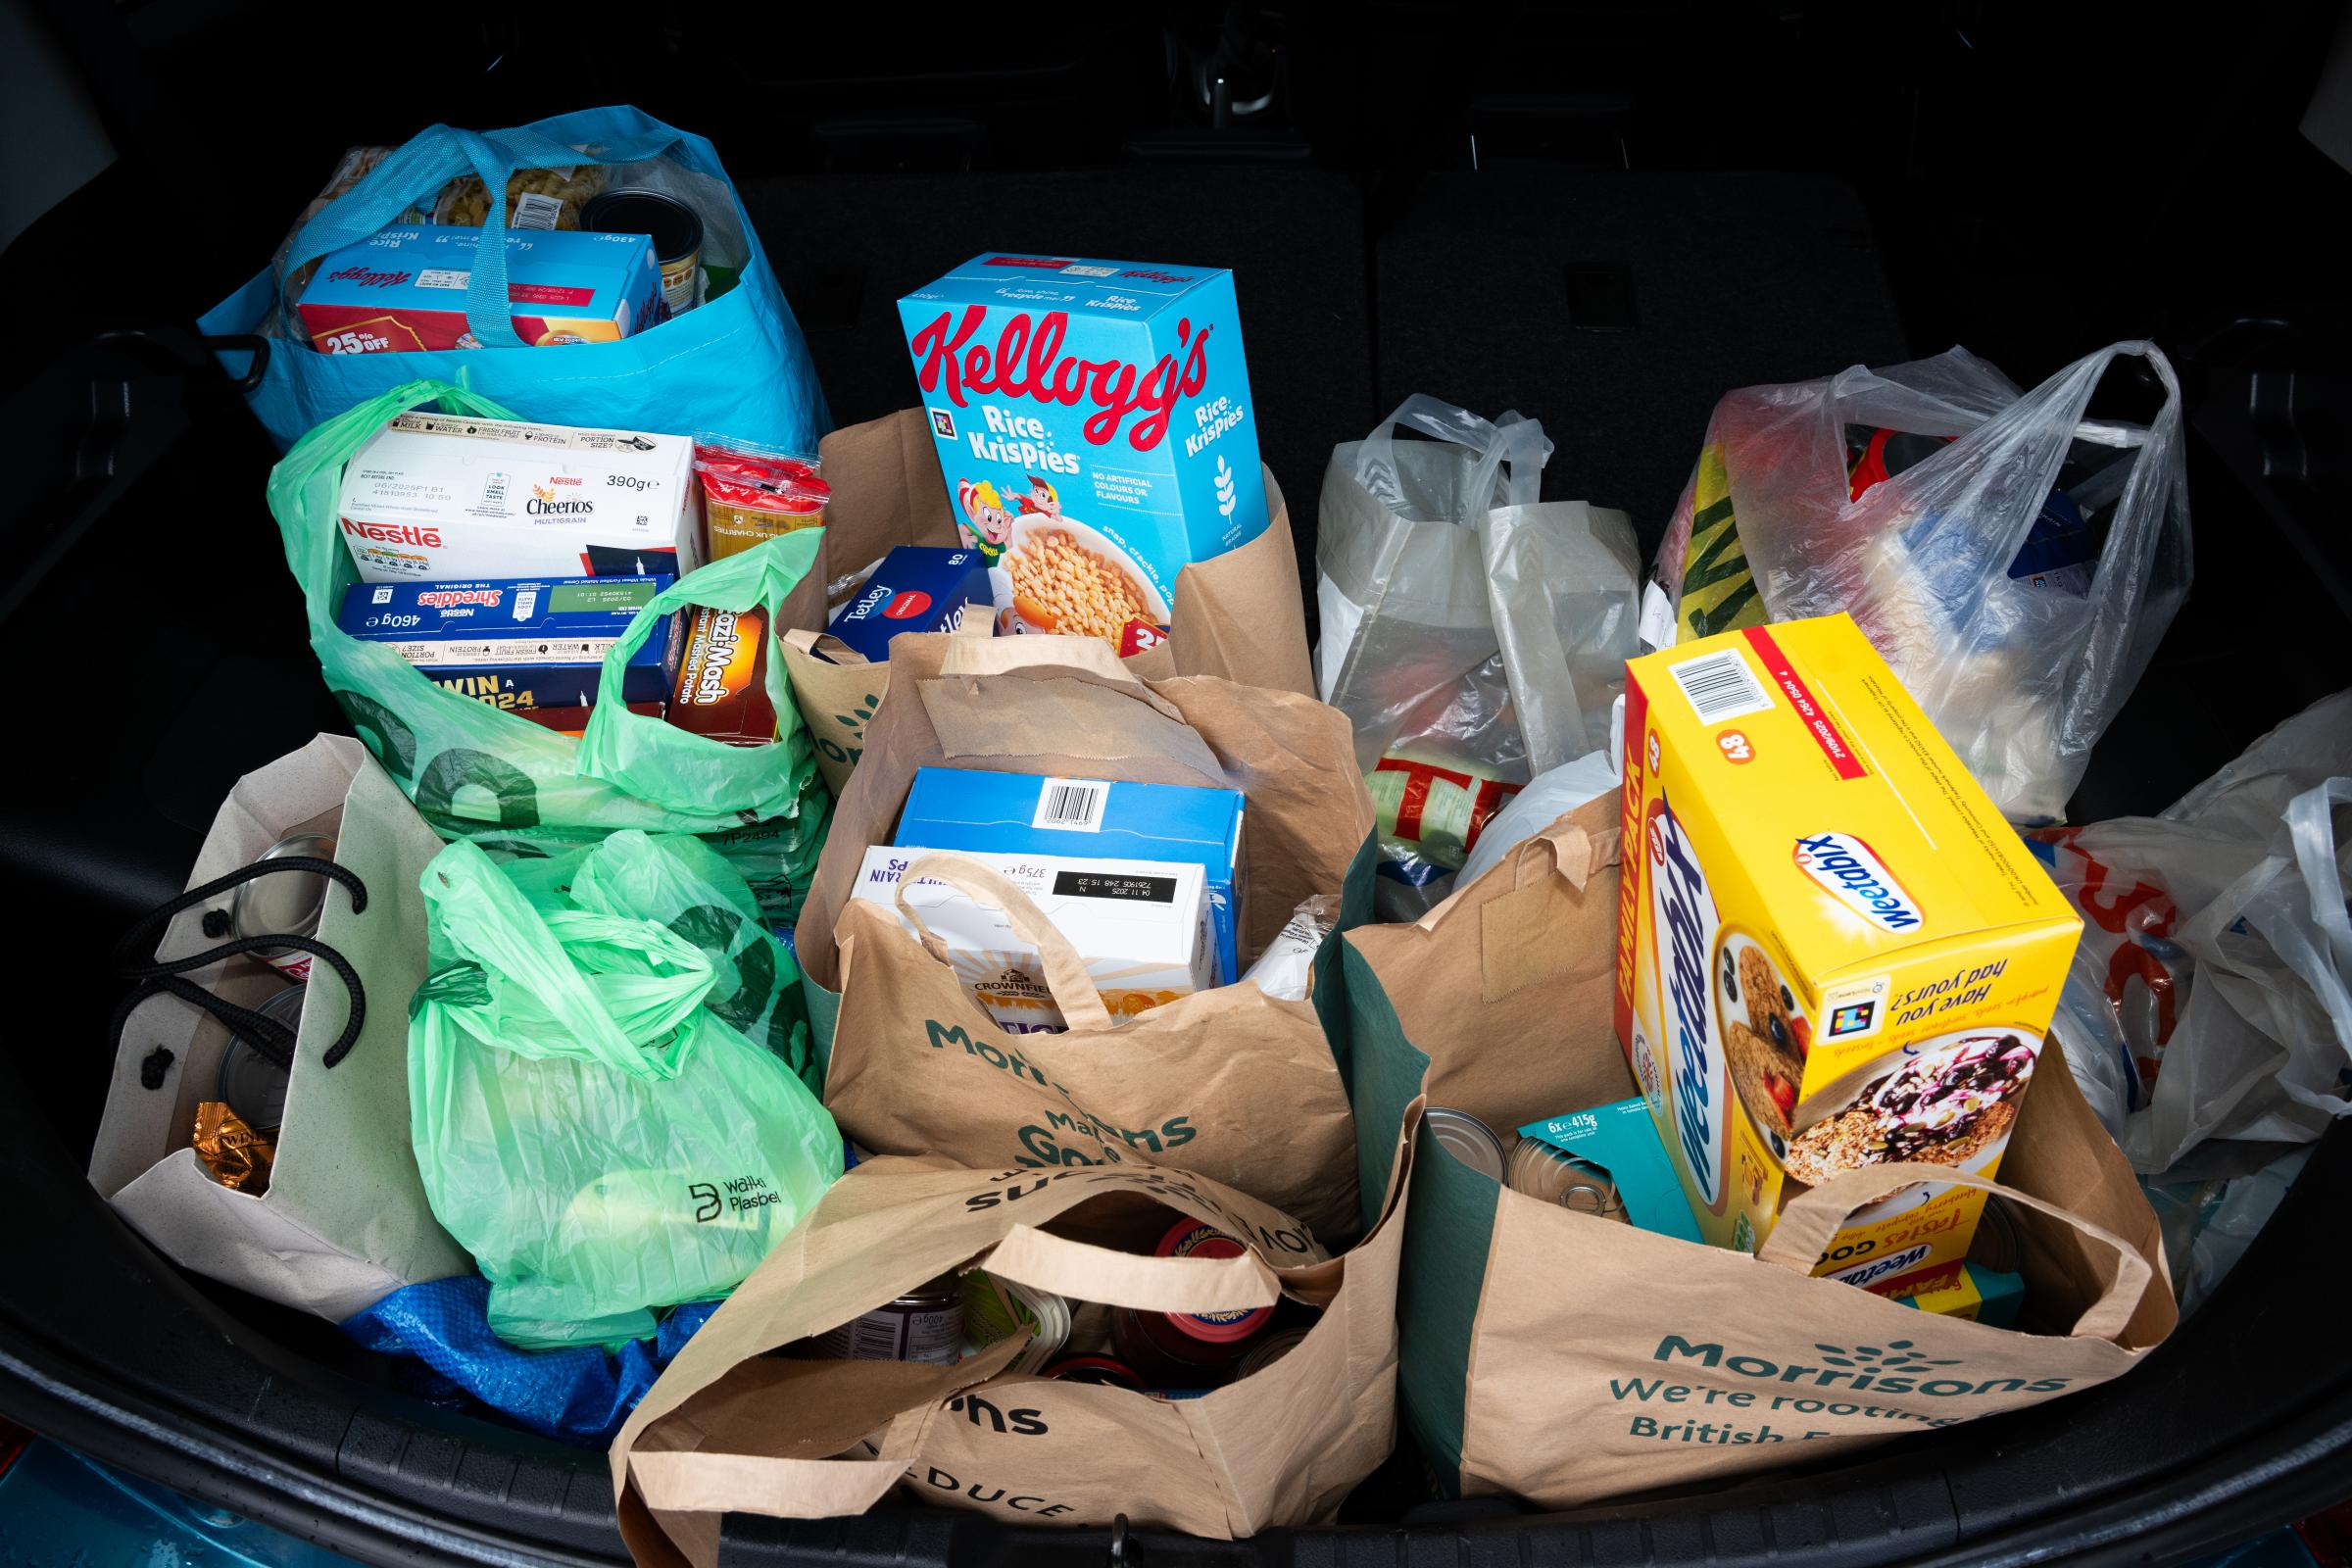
1272, 1348
675, 228
1556, 1176
932, 1296
1465, 1137
1196, 1238
285, 902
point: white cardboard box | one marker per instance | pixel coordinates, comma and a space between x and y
1140, 926
437, 498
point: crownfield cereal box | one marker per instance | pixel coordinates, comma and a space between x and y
1094, 429
1831, 950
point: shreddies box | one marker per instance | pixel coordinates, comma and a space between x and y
1831, 950
1093, 426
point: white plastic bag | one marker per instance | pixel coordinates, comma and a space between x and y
1552, 796
2020, 667
2211, 996
1475, 635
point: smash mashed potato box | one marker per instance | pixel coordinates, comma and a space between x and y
1833, 952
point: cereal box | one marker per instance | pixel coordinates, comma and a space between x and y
1094, 429
404, 289
1831, 950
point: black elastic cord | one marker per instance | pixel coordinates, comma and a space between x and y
161, 914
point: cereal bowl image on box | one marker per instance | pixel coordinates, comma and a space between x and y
1067, 577
1950, 1100
1764, 1033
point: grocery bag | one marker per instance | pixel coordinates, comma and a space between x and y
1562, 1356
1475, 635
479, 773
2018, 574
343, 1220
731, 1428
1236, 616
590, 1120
2211, 996
1229, 1082
735, 363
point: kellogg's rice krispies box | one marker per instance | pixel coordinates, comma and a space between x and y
1094, 429
1831, 950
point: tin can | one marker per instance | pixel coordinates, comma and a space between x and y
1098, 1369
287, 903
675, 228
1465, 1137
1555, 1176
1268, 1350
926, 1324
252, 1085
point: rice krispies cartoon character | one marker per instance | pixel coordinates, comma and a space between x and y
1042, 500
987, 524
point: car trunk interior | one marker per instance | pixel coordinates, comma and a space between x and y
1604, 217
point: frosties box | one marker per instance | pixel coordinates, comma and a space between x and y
1831, 950
1094, 429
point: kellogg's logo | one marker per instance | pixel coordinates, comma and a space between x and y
1852, 873
367, 277
450, 597
1027, 362
1684, 924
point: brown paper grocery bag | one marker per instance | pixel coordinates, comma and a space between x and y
1238, 615
1563, 1358
729, 1429
1230, 1082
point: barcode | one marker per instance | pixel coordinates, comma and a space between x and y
1720, 686
1074, 805
525, 602
532, 210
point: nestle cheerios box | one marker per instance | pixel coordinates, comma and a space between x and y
1094, 425
1833, 952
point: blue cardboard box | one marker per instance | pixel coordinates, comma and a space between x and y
1090, 416
517, 642
1622, 1140
1022, 814
915, 588
404, 289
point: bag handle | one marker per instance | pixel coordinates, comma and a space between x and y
271, 1039
1510, 448
689, 1481
1083, 1272
438, 154
1066, 979
1805, 1226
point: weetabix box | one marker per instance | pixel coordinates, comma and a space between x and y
1094, 429
1833, 952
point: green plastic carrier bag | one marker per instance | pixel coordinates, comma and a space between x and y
476, 772
588, 1121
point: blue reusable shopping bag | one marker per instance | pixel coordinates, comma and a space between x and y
735, 363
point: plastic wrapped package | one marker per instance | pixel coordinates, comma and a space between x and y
2211, 996
2020, 618
1474, 635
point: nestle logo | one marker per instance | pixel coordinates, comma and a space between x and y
394, 533
366, 277
1852, 872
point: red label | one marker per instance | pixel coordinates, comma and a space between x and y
1139, 636
1041, 264
913, 602
1833, 742
1634, 868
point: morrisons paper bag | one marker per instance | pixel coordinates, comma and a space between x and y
730, 1428
344, 1221
1563, 1357
1238, 615
1229, 1082
1160, 1093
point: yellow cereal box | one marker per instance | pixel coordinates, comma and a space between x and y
1831, 950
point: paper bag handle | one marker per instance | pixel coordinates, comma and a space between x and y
1066, 978
1806, 1225
1083, 1272
993, 655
